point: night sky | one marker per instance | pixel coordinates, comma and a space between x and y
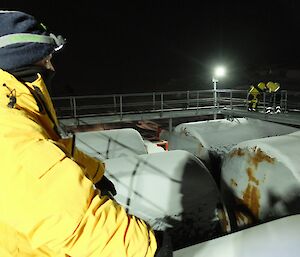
145, 46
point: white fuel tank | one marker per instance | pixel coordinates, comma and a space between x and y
106, 144
260, 179
218, 136
278, 238
171, 190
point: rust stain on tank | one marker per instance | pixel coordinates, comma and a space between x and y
251, 198
237, 152
260, 156
251, 176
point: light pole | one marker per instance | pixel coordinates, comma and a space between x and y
219, 72
214, 80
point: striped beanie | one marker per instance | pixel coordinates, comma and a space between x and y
23, 40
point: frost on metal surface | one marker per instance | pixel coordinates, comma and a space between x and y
174, 190
106, 144
219, 136
171, 190
260, 179
211, 140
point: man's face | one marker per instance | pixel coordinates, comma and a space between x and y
46, 63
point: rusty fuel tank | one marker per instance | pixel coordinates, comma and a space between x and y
260, 179
217, 137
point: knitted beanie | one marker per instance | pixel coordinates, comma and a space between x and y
20, 54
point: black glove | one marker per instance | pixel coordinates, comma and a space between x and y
164, 244
106, 186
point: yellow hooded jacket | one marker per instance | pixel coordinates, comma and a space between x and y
48, 204
270, 87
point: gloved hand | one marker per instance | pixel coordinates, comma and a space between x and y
164, 244
106, 186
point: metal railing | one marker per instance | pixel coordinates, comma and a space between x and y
120, 104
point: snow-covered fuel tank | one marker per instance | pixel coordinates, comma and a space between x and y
210, 140
260, 179
172, 191
217, 137
113, 143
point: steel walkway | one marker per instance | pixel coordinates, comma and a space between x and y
103, 109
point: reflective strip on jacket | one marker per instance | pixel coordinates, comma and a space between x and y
48, 203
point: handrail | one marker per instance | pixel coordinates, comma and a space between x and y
120, 104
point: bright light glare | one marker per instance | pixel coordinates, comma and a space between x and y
220, 71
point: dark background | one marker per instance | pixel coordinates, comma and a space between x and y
160, 45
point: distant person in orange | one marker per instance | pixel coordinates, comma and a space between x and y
256, 92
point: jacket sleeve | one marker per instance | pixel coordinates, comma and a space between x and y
92, 168
68, 217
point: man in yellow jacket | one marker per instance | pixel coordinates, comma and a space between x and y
49, 205
256, 92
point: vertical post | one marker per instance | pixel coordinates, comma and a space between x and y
231, 100
197, 100
283, 100
115, 104
153, 100
76, 121
71, 106
74, 107
219, 72
264, 98
161, 103
121, 107
215, 97
286, 102
188, 99
215, 93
